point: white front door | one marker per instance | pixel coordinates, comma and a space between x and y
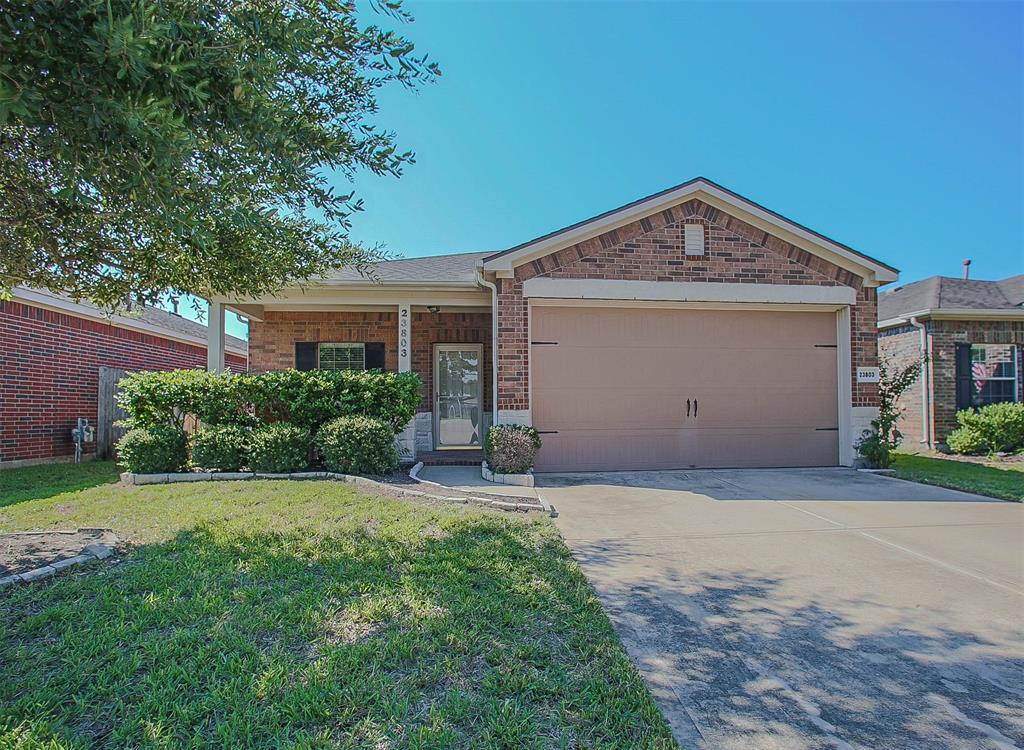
458, 395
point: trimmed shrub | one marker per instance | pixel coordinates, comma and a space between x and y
358, 445
220, 447
156, 450
307, 398
279, 448
999, 426
312, 398
966, 440
511, 448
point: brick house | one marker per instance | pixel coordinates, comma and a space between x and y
50, 354
972, 332
691, 328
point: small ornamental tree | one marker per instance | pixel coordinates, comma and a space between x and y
877, 443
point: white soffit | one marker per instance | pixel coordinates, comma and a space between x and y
542, 287
874, 273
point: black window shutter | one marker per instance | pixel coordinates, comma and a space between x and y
373, 354
305, 355
963, 376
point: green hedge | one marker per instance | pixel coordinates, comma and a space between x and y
307, 399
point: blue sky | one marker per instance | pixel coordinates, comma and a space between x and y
897, 129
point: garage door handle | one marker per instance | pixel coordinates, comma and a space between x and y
695, 407
687, 407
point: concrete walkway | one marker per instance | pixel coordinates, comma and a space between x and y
467, 479
809, 608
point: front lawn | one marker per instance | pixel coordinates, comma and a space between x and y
1006, 483
274, 614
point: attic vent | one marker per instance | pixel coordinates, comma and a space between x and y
693, 238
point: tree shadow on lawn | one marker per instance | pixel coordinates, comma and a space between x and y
44, 481
739, 660
473, 631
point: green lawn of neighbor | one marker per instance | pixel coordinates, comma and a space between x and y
47, 480
985, 479
309, 615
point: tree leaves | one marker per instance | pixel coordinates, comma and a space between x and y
183, 145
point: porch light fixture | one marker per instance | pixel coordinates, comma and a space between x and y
434, 308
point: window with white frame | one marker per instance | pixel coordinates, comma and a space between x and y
993, 374
341, 357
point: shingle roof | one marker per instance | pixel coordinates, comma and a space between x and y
444, 268
154, 316
942, 292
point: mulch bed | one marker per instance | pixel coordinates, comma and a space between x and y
25, 551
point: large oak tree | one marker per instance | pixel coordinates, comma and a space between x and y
187, 145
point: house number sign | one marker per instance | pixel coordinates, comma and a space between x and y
404, 360
868, 375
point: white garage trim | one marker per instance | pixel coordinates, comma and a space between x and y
845, 372
687, 291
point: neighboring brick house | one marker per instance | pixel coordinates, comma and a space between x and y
689, 328
51, 349
972, 332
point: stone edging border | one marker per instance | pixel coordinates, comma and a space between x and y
90, 553
206, 476
518, 480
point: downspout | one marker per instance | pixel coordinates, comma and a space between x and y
494, 343
926, 389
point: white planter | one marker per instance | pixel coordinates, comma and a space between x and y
519, 480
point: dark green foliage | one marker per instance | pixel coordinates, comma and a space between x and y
511, 448
147, 146
358, 445
993, 428
304, 398
313, 397
155, 450
279, 448
220, 447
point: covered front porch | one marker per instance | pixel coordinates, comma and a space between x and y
445, 335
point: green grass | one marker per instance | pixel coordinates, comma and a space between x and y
47, 480
307, 615
984, 479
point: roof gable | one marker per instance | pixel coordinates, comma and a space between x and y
712, 194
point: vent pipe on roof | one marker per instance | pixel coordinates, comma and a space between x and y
967, 268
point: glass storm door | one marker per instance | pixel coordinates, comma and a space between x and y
458, 396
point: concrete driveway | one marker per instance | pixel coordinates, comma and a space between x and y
816, 608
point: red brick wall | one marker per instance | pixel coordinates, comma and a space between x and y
272, 341
652, 250
900, 347
49, 373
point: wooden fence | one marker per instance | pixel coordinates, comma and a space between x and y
108, 412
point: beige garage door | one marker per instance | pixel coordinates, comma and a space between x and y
642, 388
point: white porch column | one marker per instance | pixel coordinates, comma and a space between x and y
215, 337
406, 439
404, 337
